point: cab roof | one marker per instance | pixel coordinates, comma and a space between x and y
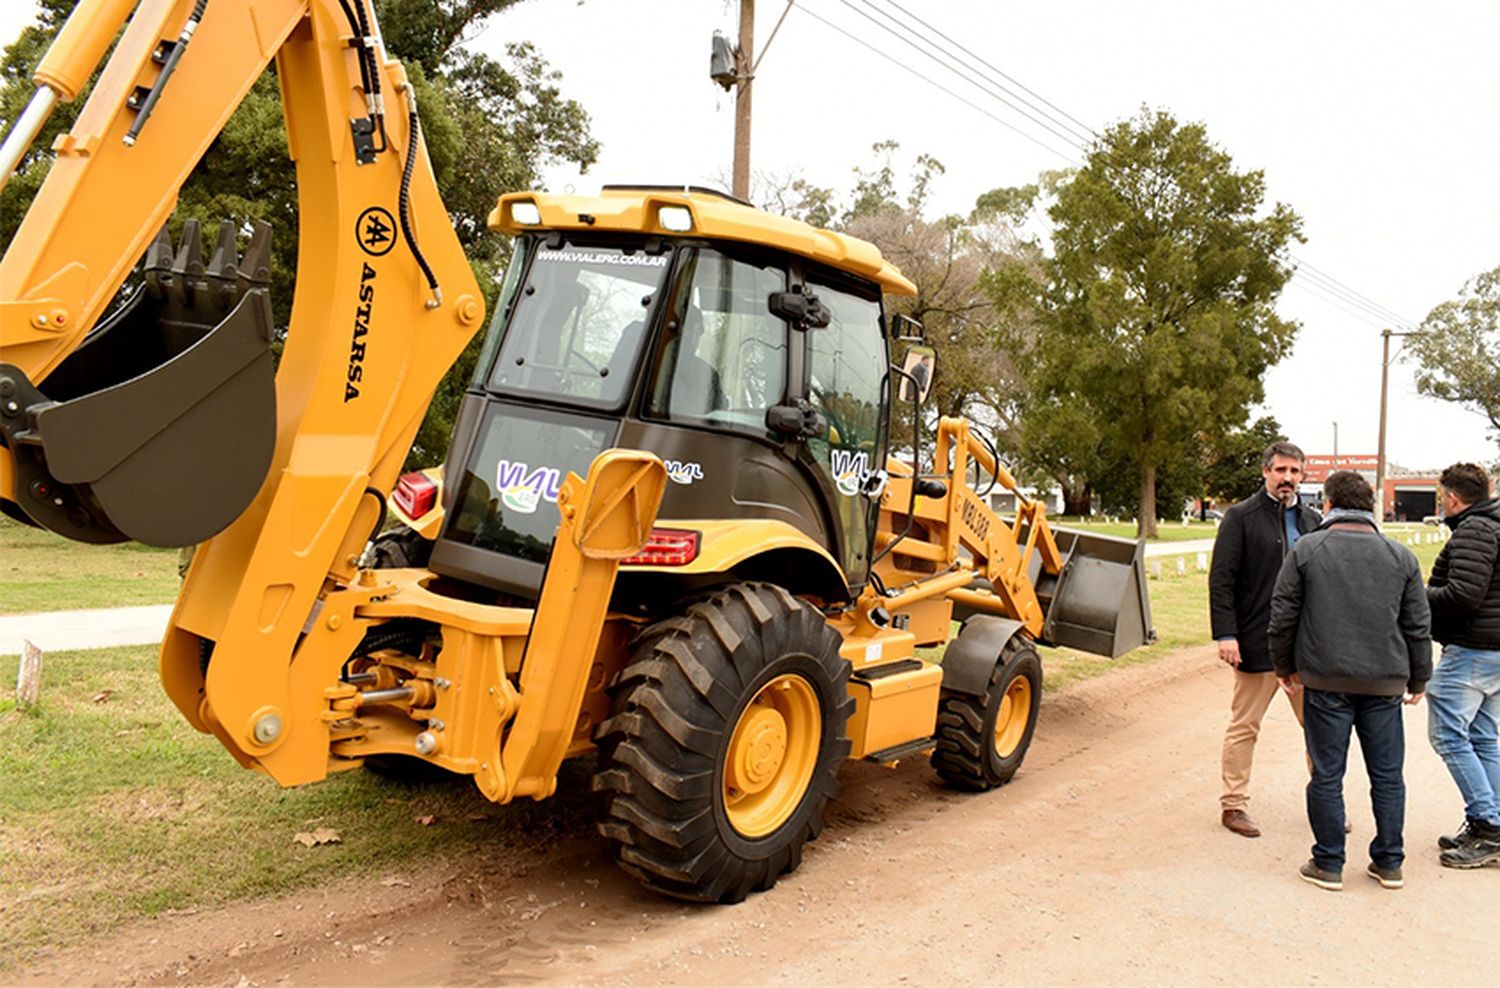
709, 214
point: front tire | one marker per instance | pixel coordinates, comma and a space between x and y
723, 749
982, 740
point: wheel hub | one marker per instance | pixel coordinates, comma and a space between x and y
1013, 715
762, 749
772, 755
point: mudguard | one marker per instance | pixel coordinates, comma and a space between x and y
971, 656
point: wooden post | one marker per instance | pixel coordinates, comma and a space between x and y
29, 676
742, 101
1385, 373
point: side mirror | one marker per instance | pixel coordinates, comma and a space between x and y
919, 366
801, 308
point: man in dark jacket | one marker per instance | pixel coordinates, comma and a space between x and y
1350, 629
1464, 701
1254, 537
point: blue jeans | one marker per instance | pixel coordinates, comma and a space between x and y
1382, 741
1463, 704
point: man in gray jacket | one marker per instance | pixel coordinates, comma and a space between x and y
1351, 629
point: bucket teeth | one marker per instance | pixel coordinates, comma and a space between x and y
255, 266
180, 276
225, 262
190, 251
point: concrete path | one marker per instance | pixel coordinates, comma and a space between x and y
56, 631
1178, 548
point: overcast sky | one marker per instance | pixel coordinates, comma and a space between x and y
1372, 120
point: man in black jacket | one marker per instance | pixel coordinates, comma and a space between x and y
1350, 629
1464, 701
1254, 537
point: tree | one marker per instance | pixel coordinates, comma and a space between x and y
1159, 317
1232, 466
1458, 348
490, 127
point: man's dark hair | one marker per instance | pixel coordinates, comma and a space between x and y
1467, 481
1347, 489
1285, 449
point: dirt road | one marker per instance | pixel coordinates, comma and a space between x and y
1103, 862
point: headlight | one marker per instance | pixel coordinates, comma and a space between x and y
678, 219
525, 213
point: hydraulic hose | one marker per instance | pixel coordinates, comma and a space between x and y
404, 202
143, 112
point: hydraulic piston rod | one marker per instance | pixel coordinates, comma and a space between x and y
30, 123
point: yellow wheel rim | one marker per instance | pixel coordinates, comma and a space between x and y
1014, 715
771, 756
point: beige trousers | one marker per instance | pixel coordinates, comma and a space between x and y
1253, 692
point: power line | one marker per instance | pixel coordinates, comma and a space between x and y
1307, 289
911, 41
1088, 133
932, 82
1365, 300
1070, 129
1338, 290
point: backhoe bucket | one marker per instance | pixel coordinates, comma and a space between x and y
160, 427
1098, 603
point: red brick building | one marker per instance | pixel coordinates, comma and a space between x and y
1409, 495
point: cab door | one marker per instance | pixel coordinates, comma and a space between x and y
847, 380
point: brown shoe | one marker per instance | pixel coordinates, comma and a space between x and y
1239, 821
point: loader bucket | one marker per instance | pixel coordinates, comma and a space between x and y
160, 427
1098, 603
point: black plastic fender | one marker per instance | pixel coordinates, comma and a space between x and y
970, 658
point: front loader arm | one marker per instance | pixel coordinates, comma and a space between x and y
1064, 586
960, 525
367, 343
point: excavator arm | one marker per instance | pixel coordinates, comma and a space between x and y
385, 301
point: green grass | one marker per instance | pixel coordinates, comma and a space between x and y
118, 809
1179, 613
40, 571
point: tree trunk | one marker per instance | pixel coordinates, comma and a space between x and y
1146, 526
1078, 496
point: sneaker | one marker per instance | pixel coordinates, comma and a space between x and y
1332, 881
1479, 848
1449, 841
1387, 877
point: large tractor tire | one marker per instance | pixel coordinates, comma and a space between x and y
724, 744
401, 548
982, 740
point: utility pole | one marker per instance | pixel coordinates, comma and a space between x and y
1335, 444
1385, 374
745, 63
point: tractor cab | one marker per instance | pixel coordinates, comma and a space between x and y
687, 324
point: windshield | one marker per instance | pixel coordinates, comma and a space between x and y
578, 323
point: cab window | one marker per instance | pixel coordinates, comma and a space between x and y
578, 323
722, 358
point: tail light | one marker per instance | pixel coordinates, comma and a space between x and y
666, 547
415, 495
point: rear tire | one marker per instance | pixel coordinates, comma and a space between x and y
401, 548
982, 740
724, 745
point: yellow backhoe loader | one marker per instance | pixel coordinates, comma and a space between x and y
670, 529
